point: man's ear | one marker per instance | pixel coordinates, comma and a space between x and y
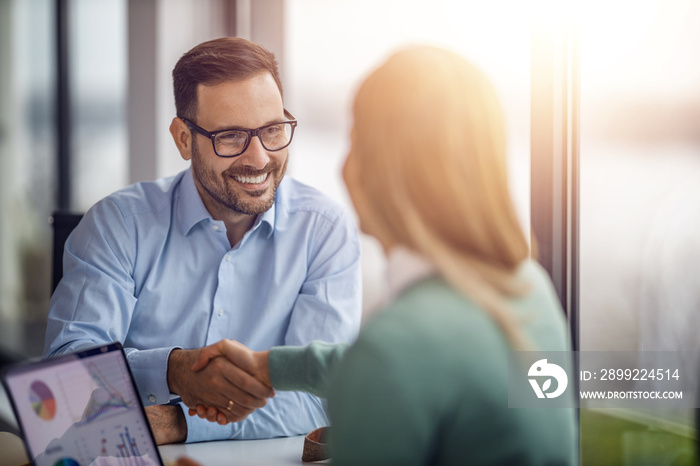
182, 137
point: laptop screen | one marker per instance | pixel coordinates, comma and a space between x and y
82, 409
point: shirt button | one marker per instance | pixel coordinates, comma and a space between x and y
152, 399
228, 258
221, 312
215, 227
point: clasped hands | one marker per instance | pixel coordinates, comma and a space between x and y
224, 382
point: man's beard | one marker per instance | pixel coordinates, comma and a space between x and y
226, 195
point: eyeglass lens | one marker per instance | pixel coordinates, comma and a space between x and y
273, 137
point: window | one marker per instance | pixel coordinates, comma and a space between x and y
27, 146
640, 162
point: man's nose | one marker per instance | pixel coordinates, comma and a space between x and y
255, 155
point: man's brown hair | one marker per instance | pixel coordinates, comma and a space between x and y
217, 61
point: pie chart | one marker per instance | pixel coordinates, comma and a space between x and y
42, 400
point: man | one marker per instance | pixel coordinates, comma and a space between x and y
229, 248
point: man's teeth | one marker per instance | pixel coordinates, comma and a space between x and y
250, 179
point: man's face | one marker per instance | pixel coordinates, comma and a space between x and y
245, 184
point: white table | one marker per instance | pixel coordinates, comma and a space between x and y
269, 452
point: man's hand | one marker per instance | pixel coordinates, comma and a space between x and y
254, 363
221, 385
167, 423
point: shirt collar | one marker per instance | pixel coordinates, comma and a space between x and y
268, 217
404, 268
193, 211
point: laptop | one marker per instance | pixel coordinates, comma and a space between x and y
81, 409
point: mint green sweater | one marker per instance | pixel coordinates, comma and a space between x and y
427, 383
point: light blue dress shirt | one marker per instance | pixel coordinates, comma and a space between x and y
149, 267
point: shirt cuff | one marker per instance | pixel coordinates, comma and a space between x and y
284, 363
150, 369
305, 368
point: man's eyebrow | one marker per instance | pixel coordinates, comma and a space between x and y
270, 122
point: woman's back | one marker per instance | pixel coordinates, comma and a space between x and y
428, 381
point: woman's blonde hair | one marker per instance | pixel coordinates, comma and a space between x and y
429, 138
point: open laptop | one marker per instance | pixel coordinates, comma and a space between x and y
81, 409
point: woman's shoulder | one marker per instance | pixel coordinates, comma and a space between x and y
432, 309
431, 318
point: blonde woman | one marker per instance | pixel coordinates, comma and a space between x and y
427, 380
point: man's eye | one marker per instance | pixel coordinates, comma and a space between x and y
231, 138
273, 129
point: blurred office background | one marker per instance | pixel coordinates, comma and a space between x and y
637, 124
120, 55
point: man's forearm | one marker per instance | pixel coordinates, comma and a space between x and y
167, 423
179, 361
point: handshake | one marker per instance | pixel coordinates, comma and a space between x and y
224, 382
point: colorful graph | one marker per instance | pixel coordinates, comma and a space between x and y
128, 447
102, 402
42, 400
67, 462
105, 399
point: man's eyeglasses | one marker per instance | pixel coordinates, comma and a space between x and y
233, 142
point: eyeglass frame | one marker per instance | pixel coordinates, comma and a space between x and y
249, 132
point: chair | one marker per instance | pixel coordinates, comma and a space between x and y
63, 223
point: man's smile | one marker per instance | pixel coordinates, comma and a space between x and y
252, 179
252, 182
